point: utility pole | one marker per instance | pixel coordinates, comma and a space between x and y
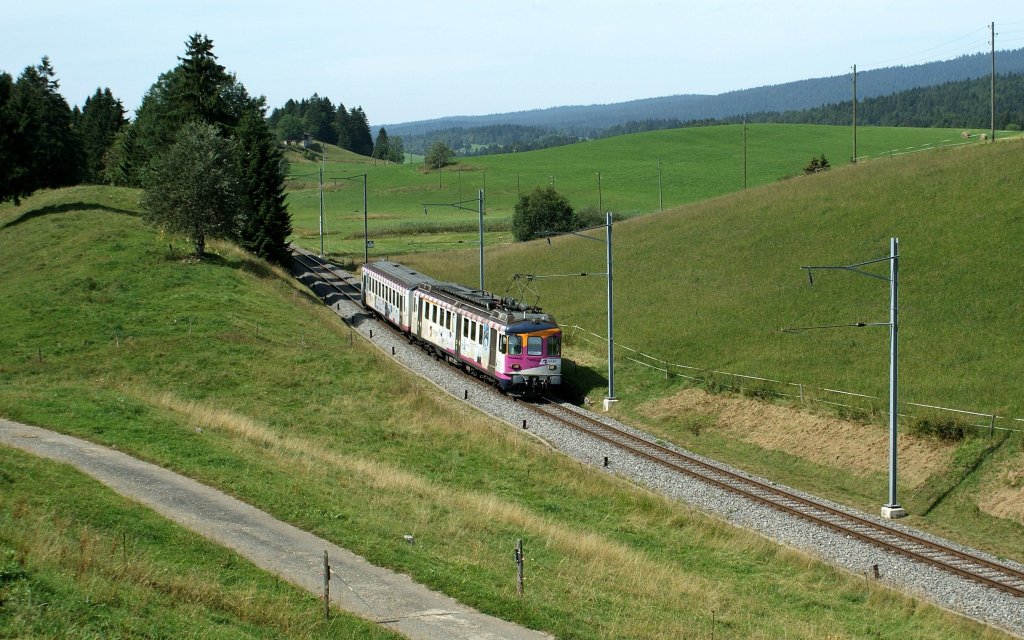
854, 159
321, 212
744, 153
992, 29
661, 190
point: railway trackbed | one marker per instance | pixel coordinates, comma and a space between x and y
988, 573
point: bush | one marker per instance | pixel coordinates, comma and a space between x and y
944, 428
1013, 126
542, 212
439, 156
817, 164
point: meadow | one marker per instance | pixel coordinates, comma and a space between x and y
695, 164
708, 286
118, 337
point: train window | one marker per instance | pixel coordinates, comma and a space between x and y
502, 344
515, 345
534, 345
472, 334
465, 327
448, 319
554, 345
433, 313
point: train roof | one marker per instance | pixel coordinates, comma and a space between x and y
400, 274
504, 309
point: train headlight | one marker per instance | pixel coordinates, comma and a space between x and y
516, 367
553, 367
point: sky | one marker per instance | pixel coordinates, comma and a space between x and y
404, 61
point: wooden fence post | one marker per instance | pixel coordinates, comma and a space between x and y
519, 567
327, 587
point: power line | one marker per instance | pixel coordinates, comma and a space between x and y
927, 54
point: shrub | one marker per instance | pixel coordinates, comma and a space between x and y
542, 212
944, 428
817, 164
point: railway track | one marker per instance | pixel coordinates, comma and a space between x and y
991, 574
344, 284
988, 573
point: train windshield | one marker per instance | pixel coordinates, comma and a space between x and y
515, 345
554, 345
534, 346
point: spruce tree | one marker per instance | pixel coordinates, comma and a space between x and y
41, 144
343, 127
359, 132
102, 117
381, 148
15, 149
265, 222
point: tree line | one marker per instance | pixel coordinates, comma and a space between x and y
349, 129
44, 143
199, 146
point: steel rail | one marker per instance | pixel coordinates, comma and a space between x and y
986, 572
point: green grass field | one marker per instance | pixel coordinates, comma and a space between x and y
696, 164
118, 338
710, 284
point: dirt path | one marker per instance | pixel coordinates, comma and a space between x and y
390, 599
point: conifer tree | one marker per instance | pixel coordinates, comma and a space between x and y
15, 150
102, 117
42, 146
265, 223
381, 148
359, 132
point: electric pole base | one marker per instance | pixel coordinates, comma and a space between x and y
608, 402
894, 512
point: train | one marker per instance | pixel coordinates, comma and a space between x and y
512, 345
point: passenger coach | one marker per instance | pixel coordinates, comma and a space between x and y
516, 346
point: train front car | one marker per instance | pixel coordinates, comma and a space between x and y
532, 349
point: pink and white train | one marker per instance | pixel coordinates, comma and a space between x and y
517, 347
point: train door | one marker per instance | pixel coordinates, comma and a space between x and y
418, 329
458, 320
493, 350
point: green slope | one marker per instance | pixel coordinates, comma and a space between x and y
111, 335
710, 284
696, 164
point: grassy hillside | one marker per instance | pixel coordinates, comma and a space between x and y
77, 561
696, 164
116, 338
710, 284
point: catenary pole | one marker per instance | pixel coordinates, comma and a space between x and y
992, 28
854, 158
894, 252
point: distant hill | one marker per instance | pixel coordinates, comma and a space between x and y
592, 120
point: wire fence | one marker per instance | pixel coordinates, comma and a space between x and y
805, 394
